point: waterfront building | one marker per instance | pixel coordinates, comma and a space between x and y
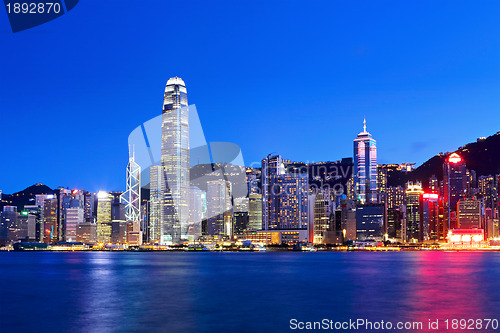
487, 189
454, 186
395, 222
241, 217
131, 199
175, 163
37, 213
365, 167
370, 222
293, 201
197, 211
104, 200
284, 196
8, 222
272, 169
86, 233
26, 226
155, 203
74, 216
414, 222
470, 214
219, 208
119, 231
348, 219
50, 213
431, 217
255, 212
324, 219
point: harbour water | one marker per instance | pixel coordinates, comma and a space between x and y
241, 292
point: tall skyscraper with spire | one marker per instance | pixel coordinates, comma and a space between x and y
132, 201
365, 167
174, 163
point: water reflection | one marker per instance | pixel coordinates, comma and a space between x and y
449, 286
240, 292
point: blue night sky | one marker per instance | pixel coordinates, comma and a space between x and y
291, 77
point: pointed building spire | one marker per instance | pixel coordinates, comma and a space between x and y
364, 124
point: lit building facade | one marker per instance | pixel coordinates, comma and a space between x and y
132, 201
219, 208
293, 201
104, 200
365, 167
175, 163
86, 233
50, 209
197, 211
395, 197
487, 189
154, 203
470, 213
348, 219
272, 169
370, 222
454, 186
255, 212
432, 218
324, 219
240, 215
74, 216
414, 221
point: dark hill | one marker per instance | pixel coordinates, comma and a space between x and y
482, 156
25, 197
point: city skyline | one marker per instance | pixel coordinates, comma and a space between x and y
263, 166
434, 64
300, 203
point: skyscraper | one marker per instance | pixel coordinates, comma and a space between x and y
240, 215
365, 167
50, 219
455, 186
487, 187
104, 217
414, 221
132, 200
272, 169
431, 218
324, 226
175, 163
197, 211
154, 203
284, 196
219, 208
255, 212
293, 201
74, 216
470, 214
370, 222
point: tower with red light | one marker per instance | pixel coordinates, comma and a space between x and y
454, 186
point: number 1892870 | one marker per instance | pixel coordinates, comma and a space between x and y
33, 8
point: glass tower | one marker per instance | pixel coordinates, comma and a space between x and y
365, 167
174, 163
